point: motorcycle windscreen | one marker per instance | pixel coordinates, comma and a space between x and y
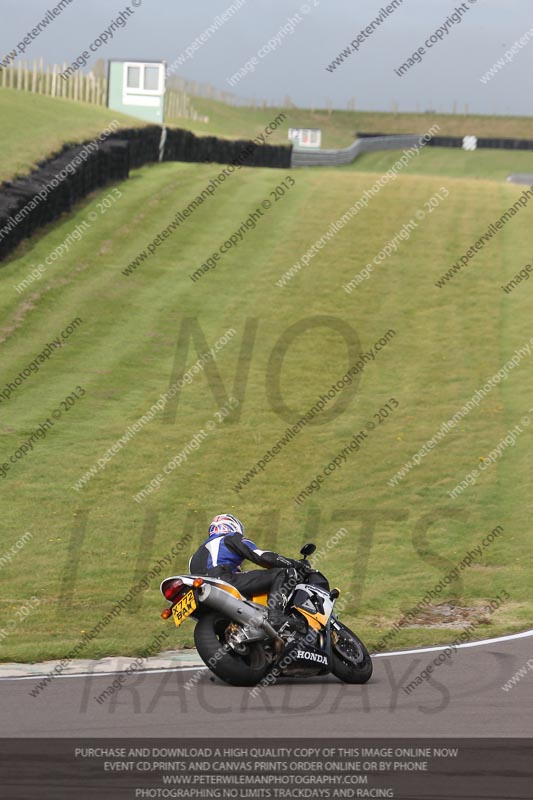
315, 605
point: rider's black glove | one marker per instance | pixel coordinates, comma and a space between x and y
303, 566
284, 561
296, 563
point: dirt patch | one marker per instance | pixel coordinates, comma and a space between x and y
448, 615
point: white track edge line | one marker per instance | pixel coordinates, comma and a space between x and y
509, 637
41, 676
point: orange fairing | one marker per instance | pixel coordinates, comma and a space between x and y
227, 587
316, 621
232, 590
262, 599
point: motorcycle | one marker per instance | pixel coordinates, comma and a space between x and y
236, 641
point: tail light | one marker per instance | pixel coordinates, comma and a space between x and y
173, 589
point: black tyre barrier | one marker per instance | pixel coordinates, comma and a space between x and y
182, 145
143, 144
493, 143
27, 203
506, 144
445, 141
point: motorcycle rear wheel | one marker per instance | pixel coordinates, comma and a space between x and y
351, 662
247, 669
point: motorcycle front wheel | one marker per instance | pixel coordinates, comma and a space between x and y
351, 662
238, 669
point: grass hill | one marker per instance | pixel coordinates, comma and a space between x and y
35, 126
428, 349
452, 162
339, 127
91, 544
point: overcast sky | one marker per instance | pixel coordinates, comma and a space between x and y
449, 73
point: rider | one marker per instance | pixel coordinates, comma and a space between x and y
221, 556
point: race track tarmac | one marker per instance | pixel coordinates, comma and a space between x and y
463, 697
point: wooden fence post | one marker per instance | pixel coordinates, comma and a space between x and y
64, 84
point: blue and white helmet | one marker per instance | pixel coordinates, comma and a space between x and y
225, 523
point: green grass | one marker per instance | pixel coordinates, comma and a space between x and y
339, 127
34, 127
448, 342
456, 163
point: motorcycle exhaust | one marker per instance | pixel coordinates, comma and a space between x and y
239, 611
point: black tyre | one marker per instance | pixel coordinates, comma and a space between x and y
351, 660
246, 669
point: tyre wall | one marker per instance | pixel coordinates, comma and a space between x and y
27, 203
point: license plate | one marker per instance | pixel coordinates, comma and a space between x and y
184, 608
